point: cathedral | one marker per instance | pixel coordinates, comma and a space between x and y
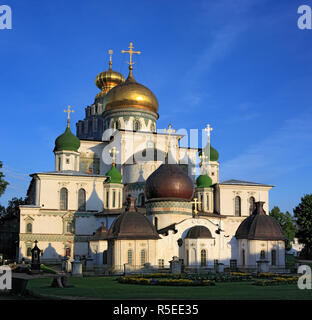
122, 193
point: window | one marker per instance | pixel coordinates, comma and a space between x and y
187, 257
63, 199
153, 127
107, 199
130, 257
119, 199
105, 257
136, 125
273, 257
82, 200
69, 227
243, 257
141, 199
252, 204
116, 125
95, 124
161, 263
67, 160
114, 199
156, 223
202, 202
29, 228
143, 257
28, 251
237, 206
207, 202
203, 258
262, 254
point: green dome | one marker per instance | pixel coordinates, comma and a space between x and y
203, 181
115, 175
214, 154
67, 141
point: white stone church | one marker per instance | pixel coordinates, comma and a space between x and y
123, 193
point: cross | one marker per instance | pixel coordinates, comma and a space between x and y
131, 52
208, 129
169, 131
110, 52
113, 151
196, 203
68, 115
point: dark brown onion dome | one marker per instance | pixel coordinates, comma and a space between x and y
101, 233
169, 181
199, 232
260, 226
132, 225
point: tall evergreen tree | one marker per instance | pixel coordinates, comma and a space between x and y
303, 214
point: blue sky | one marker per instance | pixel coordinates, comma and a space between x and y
242, 66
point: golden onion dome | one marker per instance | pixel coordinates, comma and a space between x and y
130, 94
109, 79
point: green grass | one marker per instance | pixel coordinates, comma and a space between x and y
108, 288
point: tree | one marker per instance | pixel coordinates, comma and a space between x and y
303, 214
3, 183
287, 223
12, 209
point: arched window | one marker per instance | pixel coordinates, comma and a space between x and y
141, 199
136, 125
273, 257
143, 257
82, 200
105, 257
207, 202
114, 198
237, 206
29, 228
262, 255
63, 199
130, 260
156, 223
203, 258
107, 199
252, 204
202, 202
243, 257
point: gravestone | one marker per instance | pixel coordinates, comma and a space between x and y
76, 268
175, 265
263, 266
127, 268
35, 258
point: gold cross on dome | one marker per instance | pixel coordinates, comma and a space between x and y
110, 52
131, 52
196, 203
114, 151
68, 111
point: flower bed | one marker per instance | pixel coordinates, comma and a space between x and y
276, 281
165, 282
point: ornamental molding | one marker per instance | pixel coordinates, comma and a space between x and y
64, 184
45, 237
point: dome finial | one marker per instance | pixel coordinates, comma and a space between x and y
131, 63
110, 52
68, 111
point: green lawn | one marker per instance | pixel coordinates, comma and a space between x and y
108, 288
